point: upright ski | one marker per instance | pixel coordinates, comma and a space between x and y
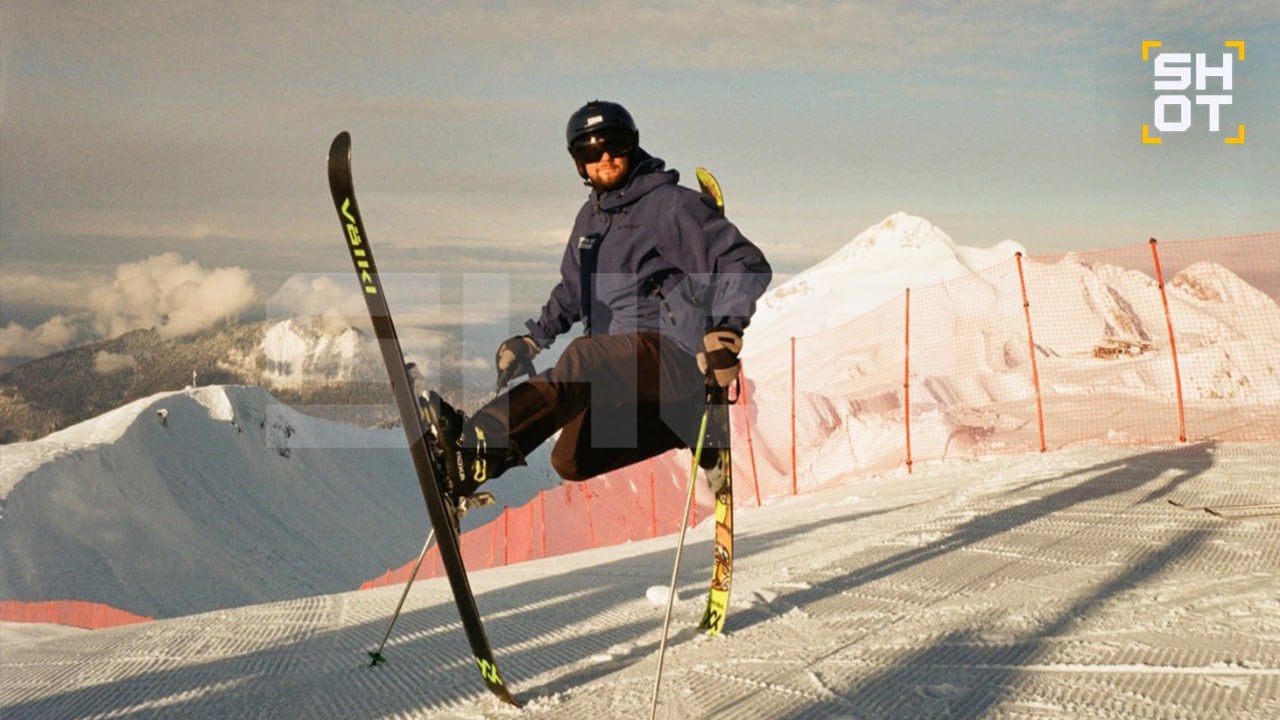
425, 462
721, 473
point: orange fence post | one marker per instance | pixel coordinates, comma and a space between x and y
653, 500
1031, 349
586, 500
1173, 347
530, 553
906, 375
751, 450
493, 543
795, 482
506, 535
542, 511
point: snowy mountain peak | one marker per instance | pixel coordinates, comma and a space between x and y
900, 251
905, 238
897, 234
1211, 282
294, 352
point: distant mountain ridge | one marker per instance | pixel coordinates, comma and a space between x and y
304, 363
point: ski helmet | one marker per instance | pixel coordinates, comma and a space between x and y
599, 115
600, 118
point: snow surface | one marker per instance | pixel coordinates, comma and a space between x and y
1056, 586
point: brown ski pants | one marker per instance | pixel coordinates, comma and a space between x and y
616, 400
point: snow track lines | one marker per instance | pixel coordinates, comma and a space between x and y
1052, 587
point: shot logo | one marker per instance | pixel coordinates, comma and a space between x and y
1194, 90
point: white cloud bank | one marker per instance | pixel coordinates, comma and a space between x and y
174, 297
57, 333
165, 292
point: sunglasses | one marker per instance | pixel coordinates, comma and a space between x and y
591, 148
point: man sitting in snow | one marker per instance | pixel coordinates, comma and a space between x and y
664, 286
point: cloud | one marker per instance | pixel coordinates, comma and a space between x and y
58, 333
419, 300
318, 296
174, 297
107, 363
164, 292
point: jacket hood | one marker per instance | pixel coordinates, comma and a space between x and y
649, 172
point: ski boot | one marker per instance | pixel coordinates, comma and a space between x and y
714, 474
714, 452
464, 458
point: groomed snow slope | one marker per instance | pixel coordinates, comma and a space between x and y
1056, 587
211, 497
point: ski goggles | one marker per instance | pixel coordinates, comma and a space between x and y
590, 148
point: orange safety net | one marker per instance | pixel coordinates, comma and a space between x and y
1154, 343
74, 613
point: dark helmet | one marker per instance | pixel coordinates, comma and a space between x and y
599, 115
600, 124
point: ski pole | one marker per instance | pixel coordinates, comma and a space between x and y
377, 654
675, 571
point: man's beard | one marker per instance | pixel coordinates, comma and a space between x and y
621, 180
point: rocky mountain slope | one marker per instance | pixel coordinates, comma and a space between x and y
301, 363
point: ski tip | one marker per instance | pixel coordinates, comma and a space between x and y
376, 658
340, 146
710, 189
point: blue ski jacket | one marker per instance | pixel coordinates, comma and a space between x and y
653, 256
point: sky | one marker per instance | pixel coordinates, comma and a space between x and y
163, 164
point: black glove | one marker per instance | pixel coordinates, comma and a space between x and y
515, 358
718, 356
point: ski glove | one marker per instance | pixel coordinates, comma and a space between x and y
515, 358
718, 357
